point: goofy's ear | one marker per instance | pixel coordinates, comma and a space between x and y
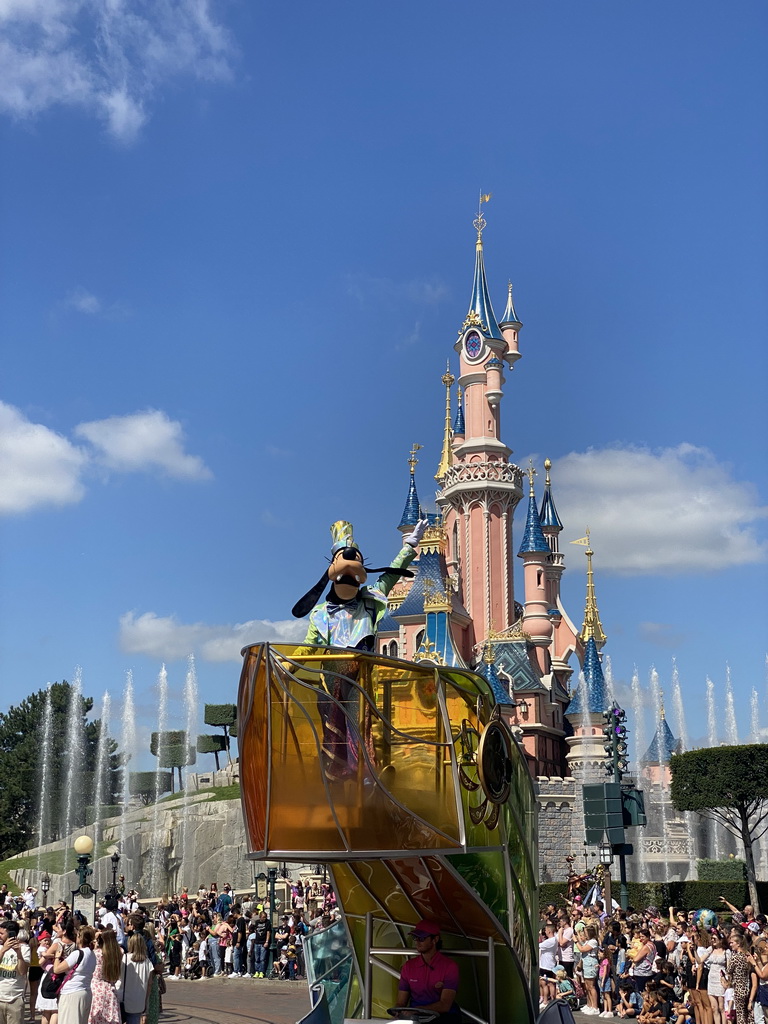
392, 570
307, 603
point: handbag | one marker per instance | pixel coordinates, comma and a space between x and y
52, 984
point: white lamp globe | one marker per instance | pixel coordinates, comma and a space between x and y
83, 845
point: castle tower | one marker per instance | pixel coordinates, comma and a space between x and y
565, 640
480, 488
534, 550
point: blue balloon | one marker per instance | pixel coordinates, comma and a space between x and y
705, 919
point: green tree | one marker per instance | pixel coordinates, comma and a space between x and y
729, 785
225, 717
209, 743
21, 767
145, 785
173, 751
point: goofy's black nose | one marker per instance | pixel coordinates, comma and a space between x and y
351, 555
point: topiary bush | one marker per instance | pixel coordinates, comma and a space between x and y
220, 714
685, 895
729, 870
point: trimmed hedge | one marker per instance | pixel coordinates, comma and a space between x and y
688, 895
106, 811
207, 744
721, 870
220, 714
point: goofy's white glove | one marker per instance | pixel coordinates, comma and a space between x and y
418, 532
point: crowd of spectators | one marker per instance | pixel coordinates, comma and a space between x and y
115, 969
688, 966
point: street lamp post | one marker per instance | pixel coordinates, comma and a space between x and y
605, 852
85, 893
113, 890
45, 885
272, 878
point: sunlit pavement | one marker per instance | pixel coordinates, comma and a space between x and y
234, 1001
240, 1001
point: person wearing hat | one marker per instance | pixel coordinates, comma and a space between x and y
429, 980
348, 617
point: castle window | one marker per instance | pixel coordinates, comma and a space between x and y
393, 649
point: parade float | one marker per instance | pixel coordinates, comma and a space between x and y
404, 779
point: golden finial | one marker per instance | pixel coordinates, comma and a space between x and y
662, 716
412, 460
592, 626
488, 655
531, 474
479, 221
547, 467
446, 455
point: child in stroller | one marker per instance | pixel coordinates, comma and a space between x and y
193, 966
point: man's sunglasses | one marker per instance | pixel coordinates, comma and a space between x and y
420, 936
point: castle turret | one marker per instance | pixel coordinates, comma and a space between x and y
534, 551
510, 327
480, 488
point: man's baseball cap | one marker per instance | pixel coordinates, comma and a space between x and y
425, 928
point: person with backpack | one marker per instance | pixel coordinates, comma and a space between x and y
78, 968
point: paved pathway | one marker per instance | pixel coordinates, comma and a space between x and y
219, 1001
234, 1001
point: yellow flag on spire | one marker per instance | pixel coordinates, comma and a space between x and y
584, 541
486, 197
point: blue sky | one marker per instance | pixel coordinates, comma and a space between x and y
237, 250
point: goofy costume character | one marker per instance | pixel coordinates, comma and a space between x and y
349, 617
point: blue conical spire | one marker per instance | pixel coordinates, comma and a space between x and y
533, 538
411, 511
593, 690
548, 513
510, 316
458, 424
663, 745
480, 313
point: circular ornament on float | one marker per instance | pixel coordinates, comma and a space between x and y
494, 762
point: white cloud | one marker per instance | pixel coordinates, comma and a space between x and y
109, 57
165, 638
143, 440
662, 634
370, 290
669, 511
83, 301
37, 465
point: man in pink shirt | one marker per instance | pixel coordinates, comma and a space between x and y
429, 981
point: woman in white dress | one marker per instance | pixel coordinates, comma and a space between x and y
75, 993
718, 963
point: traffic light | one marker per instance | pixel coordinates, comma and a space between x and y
608, 746
615, 746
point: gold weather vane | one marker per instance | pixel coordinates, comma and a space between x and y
592, 626
531, 474
479, 221
412, 460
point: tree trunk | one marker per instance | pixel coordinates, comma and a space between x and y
749, 859
216, 755
226, 738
